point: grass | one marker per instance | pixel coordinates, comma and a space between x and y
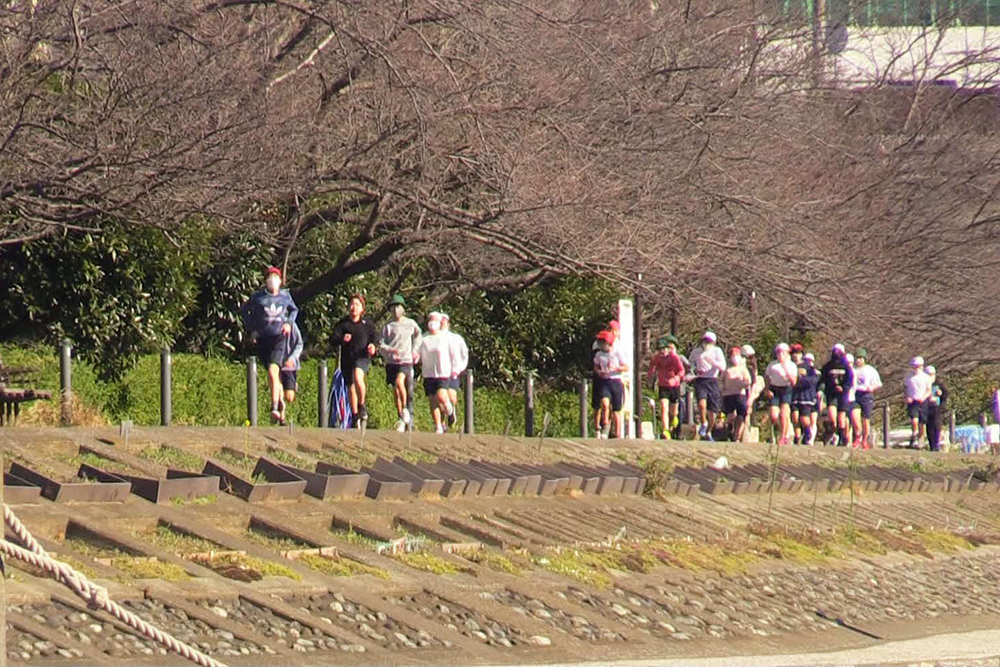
351, 536
274, 540
177, 541
98, 461
244, 461
341, 567
493, 560
288, 458
172, 457
417, 456
206, 499
76, 564
144, 568
223, 564
594, 566
940, 540
428, 562
698, 556
91, 545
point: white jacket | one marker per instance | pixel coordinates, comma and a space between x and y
435, 355
459, 353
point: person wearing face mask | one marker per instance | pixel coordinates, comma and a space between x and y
609, 364
269, 315
736, 385
459, 362
355, 336
401, 338
781, 376
806, 398
435, 366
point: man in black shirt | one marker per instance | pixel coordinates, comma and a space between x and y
356, 337
936, 406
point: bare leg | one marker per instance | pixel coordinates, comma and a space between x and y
359, 382
274, 380
664, 417
400, 390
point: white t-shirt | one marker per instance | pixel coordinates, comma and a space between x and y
608, 364
867, 379
459, 353
918, 386
435, 356
781, 374
708, 363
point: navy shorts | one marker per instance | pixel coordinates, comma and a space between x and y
840, 401
393, 370
454, 383
805, 408
433, 385
672, 394
347, 367
271, 350
289, 380
735, 403
708, 390
917, 410
613, 390
866, 402
595, 396
781, 395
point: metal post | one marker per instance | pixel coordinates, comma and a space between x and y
66, 384
583, 408
323, 395
165, 387
690, 406
982, 420
885, 426
529, 406
470, 408
951, 427
252, 391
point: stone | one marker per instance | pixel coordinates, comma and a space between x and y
663, 625
620, 610
444, 609
542, 613
471, 625
683, 636
336, 607
480, 634
539, 640
96, 628
220, 612
228, 636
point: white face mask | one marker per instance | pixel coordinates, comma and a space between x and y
433, 326
273, 283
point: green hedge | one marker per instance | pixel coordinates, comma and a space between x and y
212, 392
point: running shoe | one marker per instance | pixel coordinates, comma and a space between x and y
606, 430
665, 435
275, 413
400, 426
405, 417
439, 430
702, 431
362, 413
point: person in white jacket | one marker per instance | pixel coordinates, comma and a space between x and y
459, 362
435, 364
707, 362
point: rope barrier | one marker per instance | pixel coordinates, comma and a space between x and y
96, 596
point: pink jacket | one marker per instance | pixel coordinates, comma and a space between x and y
666, 366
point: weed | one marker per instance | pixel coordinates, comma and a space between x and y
288, 458
144, 568
351, 536
428, 562
341, 567
97, 461
493, 560
657, 471
940, 540
253, 569
172, 457
698, 556
207, 499
177, 541
274, 540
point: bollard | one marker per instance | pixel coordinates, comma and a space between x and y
165, 387
252, 391
323, 395
66, 383
689, 411
583, 408
982, 420
470, 415
951, 427
529, 406
885, 426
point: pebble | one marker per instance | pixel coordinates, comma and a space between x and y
542, 613
96, 629
219, 611
539, 640
336, 607
620, 610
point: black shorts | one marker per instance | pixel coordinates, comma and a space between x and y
392, 371
289, 380
271, 351
708, 390
917, 410
672, 394
347, 367
781, 396
840, 401
735, 403
433, 385
613, 390
866, 402
595, 397
804, 407
454, 383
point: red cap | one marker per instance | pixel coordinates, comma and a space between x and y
606, 336
736, 351
614, 325
796, 347
272, 269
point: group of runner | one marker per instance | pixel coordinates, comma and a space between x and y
442, 355
795, 391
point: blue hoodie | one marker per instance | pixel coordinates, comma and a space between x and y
293, 348
265, 313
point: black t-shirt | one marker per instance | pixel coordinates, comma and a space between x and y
362, 335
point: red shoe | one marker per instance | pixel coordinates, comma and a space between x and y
857, 443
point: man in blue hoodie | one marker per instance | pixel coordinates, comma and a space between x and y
269, 315
290, 369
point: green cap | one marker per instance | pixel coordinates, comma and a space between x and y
662, 343
397, 300
861, 352
670, 338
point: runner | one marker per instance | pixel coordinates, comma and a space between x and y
459, 362
854, 415
435, 362
398, 345
796, 421
756, 381
866, 382
805, 398
609, 366
668, 370
936, 407
837, 378
290, 369
355, 336
736, 384
268, 315
597, 381
918, 390
708, 362
781, 375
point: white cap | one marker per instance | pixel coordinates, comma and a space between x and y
849, 358
709, 336
810, 356
781, 347
930, 370
444, 317
748, 351
917, 362
839, 347
434, 315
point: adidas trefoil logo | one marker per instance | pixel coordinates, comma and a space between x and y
273, 312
